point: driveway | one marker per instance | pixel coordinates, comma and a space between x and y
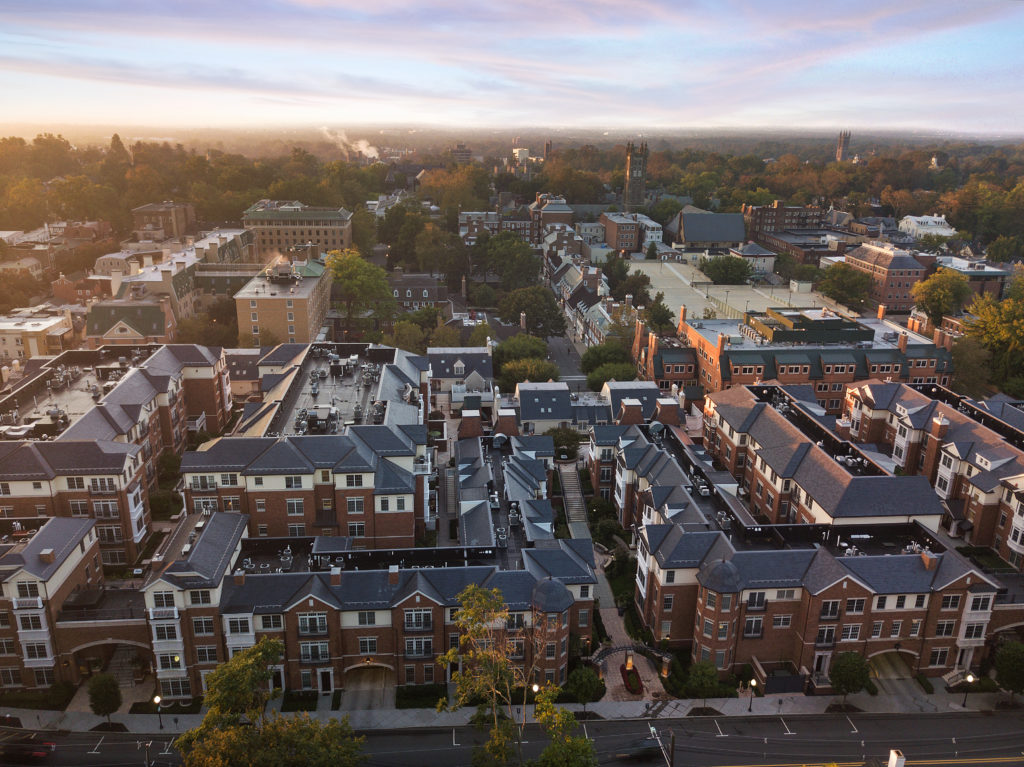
370, 688
894, 678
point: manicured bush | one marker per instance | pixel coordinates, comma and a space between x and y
419, 695
299, 700
926, 683
54, 698
871, 687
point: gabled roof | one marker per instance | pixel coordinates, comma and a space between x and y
711, 227
146, 319
61, 534
544, 402
474, 359
208, 561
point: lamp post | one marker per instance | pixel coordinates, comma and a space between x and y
753, 688
970, 680
746, 306
159, 714
522, 727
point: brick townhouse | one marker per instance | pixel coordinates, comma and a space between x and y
970, 457
795, 608
103, 481
791, 475
367, 484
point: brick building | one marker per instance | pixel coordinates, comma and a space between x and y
893, 272
778, 217
288, 300
282, 225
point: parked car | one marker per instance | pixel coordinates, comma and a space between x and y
26, 749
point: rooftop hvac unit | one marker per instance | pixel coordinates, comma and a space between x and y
186, 549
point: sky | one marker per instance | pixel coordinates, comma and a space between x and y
934, 65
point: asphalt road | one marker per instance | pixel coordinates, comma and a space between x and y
926, 739
564, 354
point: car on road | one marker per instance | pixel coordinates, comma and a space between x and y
25, 749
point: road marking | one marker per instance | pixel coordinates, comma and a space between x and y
788, 731
96, 749
854, 730
453, 738
167, 748
720, 733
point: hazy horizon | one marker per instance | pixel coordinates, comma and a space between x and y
942, 68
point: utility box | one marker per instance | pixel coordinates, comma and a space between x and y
896, 758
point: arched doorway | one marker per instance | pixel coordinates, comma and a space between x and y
368, 686
127, 660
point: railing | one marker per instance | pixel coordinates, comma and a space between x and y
825, 643
753, 634
28, 603
756, 607
828, 615
110, 614
425, 652
420, 626
102, 490
163, 613
314, 657
313, 631
194, 485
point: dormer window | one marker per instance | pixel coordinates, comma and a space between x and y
459, 369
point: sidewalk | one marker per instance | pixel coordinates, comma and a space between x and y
772, 705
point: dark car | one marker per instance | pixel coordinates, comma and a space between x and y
25, 749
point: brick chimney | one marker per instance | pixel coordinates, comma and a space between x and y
629, 299
929, 560
666, 410
335, 576
902, 342
46, 555
682, 313
721, 343
506, 423
881, 311
393, 575
470, 425
630, 412
939, 426
239, 577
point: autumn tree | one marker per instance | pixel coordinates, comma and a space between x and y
516, 371
543, 316
479, 335
566, 748
971, 367
408, 336
999, 326
943, 293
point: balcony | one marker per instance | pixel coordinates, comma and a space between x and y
163, 613
38, 662
756, 607
103, 491
968, 642
824, 643
168, 646
196, 485
829, 615
313, 631
753, 634
419, 627
28, 603
315, 657
195, 423
426, 652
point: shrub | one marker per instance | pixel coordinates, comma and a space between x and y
926, 683
419, 695
54, 698
299, 700
871, 687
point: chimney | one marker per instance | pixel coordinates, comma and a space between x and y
629, 299
721, 343
470, 425
239, 577
115, 281
929, 560
506, 423
881, 311
630, 412
46, 555
147, 259
666, 411
392, 575
937, 336
940, 425
682, 313
335, 576
902, 342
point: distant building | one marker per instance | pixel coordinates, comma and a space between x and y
170, 219
779, 217
700, 231
761, 260
281, 225
288, 299
29, 265
462, 154
842, 146
635, 189
415, 291
631, 232
26, 334
983, 277
894, 273
918, 226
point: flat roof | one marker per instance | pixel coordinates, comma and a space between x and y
30, 324
262, 288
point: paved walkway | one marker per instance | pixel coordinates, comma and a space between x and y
771, 705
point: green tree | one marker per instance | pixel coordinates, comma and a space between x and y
945, 292
427, 317
565, 748
1009, 664
652, 252
104, 695
659, 316
479, 335
520, 346
638, 285
168, 468
602, 354
516, 371
615, 270
543, 316
849, 673
584, 684
362, 287
567, 441
364, 231
932, 243
971, 367
702, 681
726, 270
846, 285
1003, 248
513, 260
445, 336
483, 295
618, 371
999, 326
408, 336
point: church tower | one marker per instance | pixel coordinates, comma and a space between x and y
842, 145
635, 189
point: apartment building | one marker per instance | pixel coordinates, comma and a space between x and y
793, 608
281, 225
27, 334
819, 347
100, 482
791, 470
286, 302
630, 232
664, 359
779, 217
971, 456
893, 272
170, 219
367, 484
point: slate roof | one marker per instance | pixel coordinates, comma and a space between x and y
607, 435
62, 534
646, 391
544, 402
225, 454
474, 360
46, 460
210, 556
711, 227
146, 319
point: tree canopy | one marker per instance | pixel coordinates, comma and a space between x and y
849, 673
362, 287
543, 316
945, 292
726, 270
602, 354
529, 369
104, 695
848, 286
618, 371
520, 346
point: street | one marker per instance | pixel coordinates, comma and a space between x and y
953, 738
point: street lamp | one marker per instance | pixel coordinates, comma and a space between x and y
970, 680
753, 687
535, 688
746, 306
160, 716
